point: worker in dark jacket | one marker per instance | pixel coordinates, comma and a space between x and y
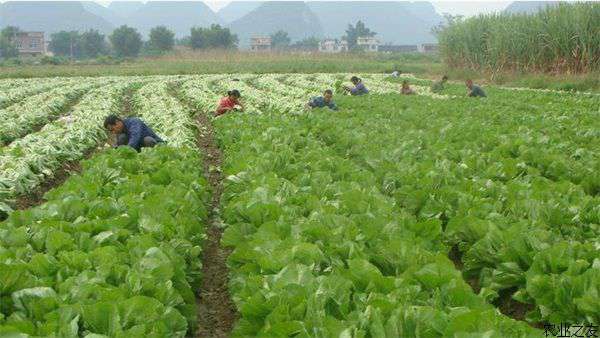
437, 87
474, 90
132, 132
406, 90
322, 101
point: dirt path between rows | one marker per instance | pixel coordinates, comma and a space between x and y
217, 313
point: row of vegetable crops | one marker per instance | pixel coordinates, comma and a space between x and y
518, 201
341, 223
523, 215
28, 161
98, 258
320, 251
12, 91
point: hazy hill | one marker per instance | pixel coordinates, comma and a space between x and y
528, 7
179, 16
237, 9
50, 16
294, 17
115, 18
424, 11
125, 8
394, 22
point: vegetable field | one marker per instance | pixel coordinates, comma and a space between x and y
431, 215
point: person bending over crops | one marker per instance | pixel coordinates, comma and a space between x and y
438, 86
474, 90
322, 101
406, 90
359, 87
132, 132
229, 103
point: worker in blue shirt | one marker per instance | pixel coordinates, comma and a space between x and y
132, 132
323, 101
473, 89
359, 87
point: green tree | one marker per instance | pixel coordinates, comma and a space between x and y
161, 39
213, 37
198, 38
8, 46
308, 44
126, 41
65, 43
10, 32
280, 39
92, 44
356, 31
221, 37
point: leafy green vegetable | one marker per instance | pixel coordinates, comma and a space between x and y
96, 260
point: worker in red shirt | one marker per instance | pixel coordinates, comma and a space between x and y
229, 103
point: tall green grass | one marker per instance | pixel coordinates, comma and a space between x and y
564, 38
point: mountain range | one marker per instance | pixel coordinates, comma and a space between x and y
51, 16
237, 9
396, 22
294, 17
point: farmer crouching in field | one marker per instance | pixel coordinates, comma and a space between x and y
406, 90
438, 86
229, 103
132, 132
322, 101
359, 87
474, 90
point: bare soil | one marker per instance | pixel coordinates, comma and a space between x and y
217, 313
510, 307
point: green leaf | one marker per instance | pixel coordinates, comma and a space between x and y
35, 302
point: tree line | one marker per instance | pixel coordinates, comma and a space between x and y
126, 41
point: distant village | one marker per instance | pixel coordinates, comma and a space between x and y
36, 44
367, 44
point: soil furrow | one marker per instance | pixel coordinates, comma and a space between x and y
216, 311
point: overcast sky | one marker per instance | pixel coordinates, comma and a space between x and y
466, 8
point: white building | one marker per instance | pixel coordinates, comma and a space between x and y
428, 48
368, 44
333, 46
260, 43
